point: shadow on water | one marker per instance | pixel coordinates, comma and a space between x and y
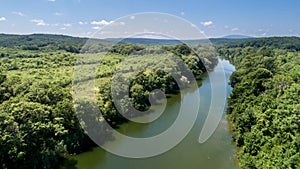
69, 163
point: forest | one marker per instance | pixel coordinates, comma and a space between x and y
264, 105
38, 123
39, 127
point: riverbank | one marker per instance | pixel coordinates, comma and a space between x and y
217, 152
264, 105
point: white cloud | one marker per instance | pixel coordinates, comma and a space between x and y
57, 14
39, 22
132, 17
226, 26
18, 13
182, 13
67, 25
262, 32
235, 29
51, 0
193, 25
2, 19
113, 23
207, 23
101, 23
96, 27
82, 23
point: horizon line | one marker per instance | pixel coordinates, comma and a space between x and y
89, 37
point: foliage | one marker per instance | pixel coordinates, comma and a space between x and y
286, 43
39, 126
38, 123
265, 101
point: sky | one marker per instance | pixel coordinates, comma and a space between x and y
216, 18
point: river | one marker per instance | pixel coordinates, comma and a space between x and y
216, 153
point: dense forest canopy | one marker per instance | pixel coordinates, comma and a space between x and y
288, 43
264, 105
39, 126
38, 123
39, 40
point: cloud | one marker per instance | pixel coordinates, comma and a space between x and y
67, 25
18, 13
101, 23
39, 22
96, 27
235, 29
132, 17
118, 23
82, 23
193, 25
262, 32
57, 14
207, 23
2, 19
51, 0
182, 13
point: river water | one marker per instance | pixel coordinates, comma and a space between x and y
216, 153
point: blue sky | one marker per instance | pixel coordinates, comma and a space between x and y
215, 17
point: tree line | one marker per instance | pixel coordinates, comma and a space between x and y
264, 105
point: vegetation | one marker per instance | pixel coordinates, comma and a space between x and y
39, 126
287, 43
38, 123
265, 102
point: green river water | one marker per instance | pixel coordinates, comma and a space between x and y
218, 152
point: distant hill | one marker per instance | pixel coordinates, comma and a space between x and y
146, 41
237, 37
289, 43
9, 40
69, 43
